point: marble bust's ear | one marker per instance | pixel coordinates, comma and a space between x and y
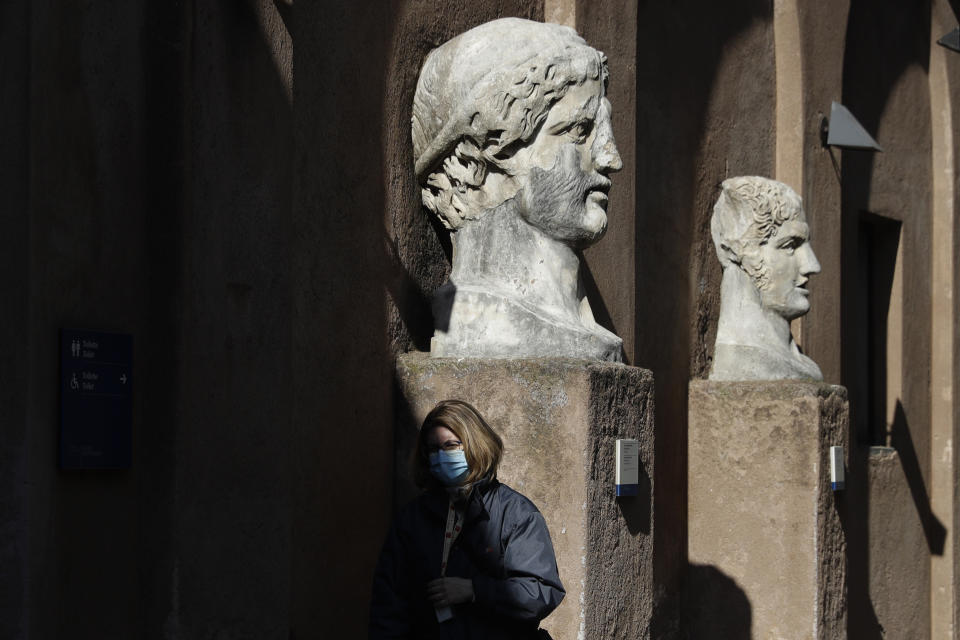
762, 240
513, 149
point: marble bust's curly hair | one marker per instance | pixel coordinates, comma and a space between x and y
747, 215
480, 97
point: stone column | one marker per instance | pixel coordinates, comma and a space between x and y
763, 520
559, 420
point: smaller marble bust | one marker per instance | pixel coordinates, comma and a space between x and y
513, 146
762, 239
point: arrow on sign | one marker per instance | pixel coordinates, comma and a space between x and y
123, 378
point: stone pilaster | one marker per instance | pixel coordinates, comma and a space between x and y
763, 519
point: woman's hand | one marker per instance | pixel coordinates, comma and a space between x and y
444, 592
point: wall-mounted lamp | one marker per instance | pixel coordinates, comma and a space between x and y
951, 40
845, 131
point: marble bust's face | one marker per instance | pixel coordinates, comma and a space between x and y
562, 173
788, 261
760, 233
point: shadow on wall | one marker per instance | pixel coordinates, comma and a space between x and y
863, 621
232, 509
637, 509
406, 430
167, 45
413, 322
933, 529
874, 77
714, 605
600, 311
702, 115
861, 617
341, 371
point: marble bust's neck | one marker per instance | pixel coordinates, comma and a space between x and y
754, 343
504, 254
744, 321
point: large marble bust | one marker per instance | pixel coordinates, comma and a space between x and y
513, 146
762, 239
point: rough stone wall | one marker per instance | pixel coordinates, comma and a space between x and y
610, 266
341, 358
954, 145
892, 100
619, 562
231, 465
832, 506
82, 248
822, 25
767, 545
15, 322
954, 488
244, 382
887, 88
899, 575
85, 147
702, 116
945, 12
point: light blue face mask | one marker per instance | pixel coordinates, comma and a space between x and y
449, 467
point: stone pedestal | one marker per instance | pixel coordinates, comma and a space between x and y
559, 420
766, 546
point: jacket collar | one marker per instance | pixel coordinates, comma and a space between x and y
437, 500
483, 491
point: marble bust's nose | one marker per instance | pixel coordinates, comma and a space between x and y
808, 260
606, 156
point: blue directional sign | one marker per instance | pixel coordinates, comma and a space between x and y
96, 399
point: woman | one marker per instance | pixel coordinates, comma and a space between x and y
470, 557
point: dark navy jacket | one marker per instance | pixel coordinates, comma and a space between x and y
504, 548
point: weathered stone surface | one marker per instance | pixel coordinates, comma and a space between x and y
761, 235
899, 554
765, 527
512, 144
559, 419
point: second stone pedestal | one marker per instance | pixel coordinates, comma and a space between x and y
766, 546
559, 420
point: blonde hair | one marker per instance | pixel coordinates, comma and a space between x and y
482, 447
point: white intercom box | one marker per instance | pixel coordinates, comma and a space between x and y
628, 467
837, 478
